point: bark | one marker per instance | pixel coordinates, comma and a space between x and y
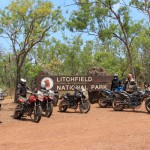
17, 78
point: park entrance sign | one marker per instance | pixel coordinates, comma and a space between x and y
66, 83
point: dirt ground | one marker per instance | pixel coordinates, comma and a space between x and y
100, 129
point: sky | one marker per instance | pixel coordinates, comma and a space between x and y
65, 5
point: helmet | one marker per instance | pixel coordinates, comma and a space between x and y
115, 75
23, 80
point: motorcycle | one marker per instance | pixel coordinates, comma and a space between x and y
107, 96
75, 100
47, 102
147, 104
123, 100
30, 106
2, 95
56, 97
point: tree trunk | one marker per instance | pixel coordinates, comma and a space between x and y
131, 61
17, 82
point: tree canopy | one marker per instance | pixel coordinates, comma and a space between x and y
95, 34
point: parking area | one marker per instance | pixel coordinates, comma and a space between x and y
99, 129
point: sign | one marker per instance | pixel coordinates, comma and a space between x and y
66, 83
47, 83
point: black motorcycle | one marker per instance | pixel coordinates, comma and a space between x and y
30, 107
73, 101
147, 104
56, 97
123, 100
2, 95
106, 98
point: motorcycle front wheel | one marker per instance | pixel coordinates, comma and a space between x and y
49, 110
147, 105
62, 106
115, 104
102, 102
17, 113
55, 101
37, 113
84, 106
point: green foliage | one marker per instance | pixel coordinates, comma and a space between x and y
118, 40
27, 23
142, 5
79, 19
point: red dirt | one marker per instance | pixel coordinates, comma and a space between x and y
100, 129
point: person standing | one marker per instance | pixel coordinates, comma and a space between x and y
116, 84
130, 84
22, 88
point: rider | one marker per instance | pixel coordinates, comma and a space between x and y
116, 84
130, 85
22, 88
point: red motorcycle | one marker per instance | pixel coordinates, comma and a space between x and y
30, 107
47, 102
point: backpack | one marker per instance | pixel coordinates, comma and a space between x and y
131, 86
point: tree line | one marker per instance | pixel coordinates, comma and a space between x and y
119, 44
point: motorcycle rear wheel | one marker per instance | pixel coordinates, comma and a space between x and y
84, 106
49, 111
17, 113
147, 105
101, 102
116, 106
62, 107
37, 114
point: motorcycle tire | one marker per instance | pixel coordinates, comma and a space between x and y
62, 107
115, 106
84, 106
101, 102
17, 113
55, 101
49, 111
37, 114
147, 105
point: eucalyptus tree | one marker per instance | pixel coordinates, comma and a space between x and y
86, 57
49, 56
142, 5
102, 19
111, 57
27, 23
72, 55
142, 44
7, 73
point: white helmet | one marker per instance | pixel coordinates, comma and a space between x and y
116, 75
23, 80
